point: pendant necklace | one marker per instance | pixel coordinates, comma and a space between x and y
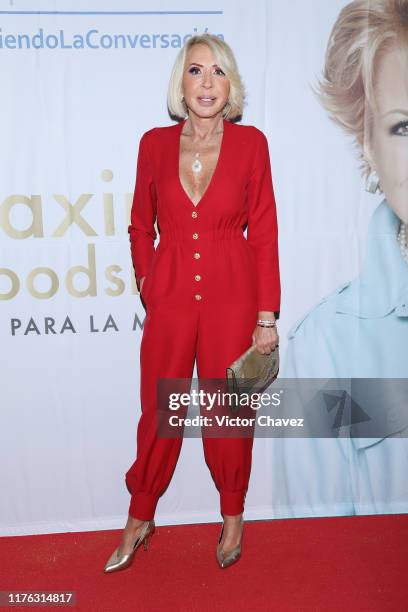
196, 166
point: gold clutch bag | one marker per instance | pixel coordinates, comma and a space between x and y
251, 373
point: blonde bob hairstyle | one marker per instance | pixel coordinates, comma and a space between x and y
225, 59
363, 31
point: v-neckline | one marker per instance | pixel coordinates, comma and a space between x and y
216, 169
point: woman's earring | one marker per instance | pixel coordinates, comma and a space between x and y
373, 182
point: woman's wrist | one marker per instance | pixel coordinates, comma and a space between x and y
266, 318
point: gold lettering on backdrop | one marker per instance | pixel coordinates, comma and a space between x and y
90, 272
74, 214
115, 280
11, 282
54, 283
107, 176
34, 204
15, 284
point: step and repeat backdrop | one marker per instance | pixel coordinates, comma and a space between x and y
80, 84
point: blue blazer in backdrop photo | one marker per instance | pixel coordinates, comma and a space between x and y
358, 331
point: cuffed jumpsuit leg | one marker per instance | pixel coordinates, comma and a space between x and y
171, 342
167, 350
223, 335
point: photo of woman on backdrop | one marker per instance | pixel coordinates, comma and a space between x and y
361, 329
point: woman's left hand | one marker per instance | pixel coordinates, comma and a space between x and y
266, 339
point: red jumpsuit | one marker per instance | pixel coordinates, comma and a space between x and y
205, 283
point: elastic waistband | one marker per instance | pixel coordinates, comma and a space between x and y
182, 235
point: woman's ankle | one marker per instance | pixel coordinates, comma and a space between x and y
135, 522
233, 517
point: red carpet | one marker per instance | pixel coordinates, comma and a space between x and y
332, 564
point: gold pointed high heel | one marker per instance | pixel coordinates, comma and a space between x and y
118, 562
225, 560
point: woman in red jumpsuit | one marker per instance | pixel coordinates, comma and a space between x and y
205, 286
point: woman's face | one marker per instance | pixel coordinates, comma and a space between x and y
388, 152
205, 86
